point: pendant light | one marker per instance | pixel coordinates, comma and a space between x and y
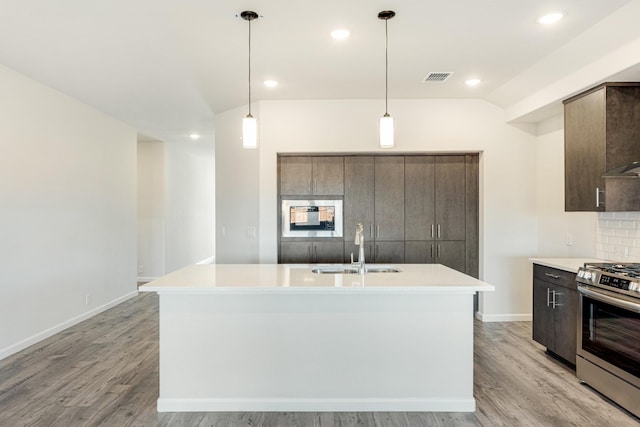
249, 125
386, 121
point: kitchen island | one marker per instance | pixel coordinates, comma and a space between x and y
265, 337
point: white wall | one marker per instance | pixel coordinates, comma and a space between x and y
67, 211
151, 212
557, 227
238, 192
189, 203
508, 175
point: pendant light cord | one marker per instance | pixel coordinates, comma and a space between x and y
250, 68
386, 67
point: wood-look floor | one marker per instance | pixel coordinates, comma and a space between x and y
104, 372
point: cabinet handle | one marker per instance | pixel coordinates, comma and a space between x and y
376, 257
599, 203
378, 231
371, 230
438, 231
315, 254
432, 251
309, 254
548, 297
432, 233
315, 186
553, 276
438, 251
553, 301
309, 185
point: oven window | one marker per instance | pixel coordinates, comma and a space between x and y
312, 218
612, 334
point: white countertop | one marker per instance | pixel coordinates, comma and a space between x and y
567, 264
298, 278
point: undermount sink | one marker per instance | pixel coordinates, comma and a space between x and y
345, 269
382, 269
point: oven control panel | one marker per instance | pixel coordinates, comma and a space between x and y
609, 281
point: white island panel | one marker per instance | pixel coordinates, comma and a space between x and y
316, 353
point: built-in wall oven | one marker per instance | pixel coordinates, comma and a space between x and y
311, 218
608, 350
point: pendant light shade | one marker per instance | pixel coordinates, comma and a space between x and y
386, 131
386, 121
249, 124
249, 132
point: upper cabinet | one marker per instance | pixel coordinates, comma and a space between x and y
602, 132
307, 175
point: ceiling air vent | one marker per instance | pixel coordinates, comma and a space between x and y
437, 77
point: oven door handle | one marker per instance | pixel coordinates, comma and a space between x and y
627, 305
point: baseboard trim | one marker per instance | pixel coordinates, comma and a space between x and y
34, 339
483, 317
316, 405
146, 279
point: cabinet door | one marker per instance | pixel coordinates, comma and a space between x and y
328, 176
452, 254
389, 252
565, 323
295, 176
389, 198
450, 197
295, 252
351, 248
542, 315
584, 151
419, 205
419, 252
359, 173
327, 252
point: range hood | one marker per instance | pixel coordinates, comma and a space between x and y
631, 170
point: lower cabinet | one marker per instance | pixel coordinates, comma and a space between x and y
447, 252
555, 311
311, 252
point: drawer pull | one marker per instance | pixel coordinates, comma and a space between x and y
553, 276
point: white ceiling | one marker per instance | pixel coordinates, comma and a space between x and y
168, 66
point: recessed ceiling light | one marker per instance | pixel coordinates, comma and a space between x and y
340, 34
270, 83
472, 82
194, 136
551, 18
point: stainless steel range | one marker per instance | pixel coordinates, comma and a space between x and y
608, 353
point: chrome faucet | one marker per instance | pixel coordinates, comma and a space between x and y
360, 242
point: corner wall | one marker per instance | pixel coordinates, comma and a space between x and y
68, 212
557, 228
508, 223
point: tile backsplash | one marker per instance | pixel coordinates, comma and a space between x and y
618, 236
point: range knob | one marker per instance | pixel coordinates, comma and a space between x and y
633, 286
587, 275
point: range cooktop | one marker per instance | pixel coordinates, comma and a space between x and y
617, 277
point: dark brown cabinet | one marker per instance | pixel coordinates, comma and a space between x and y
555, 308
359, 193
436, 210
311, 175
311, 252
374, 197
389, 198
414, 208
602, 130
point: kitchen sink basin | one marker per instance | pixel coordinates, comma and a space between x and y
382, 269
335, 269
342, 269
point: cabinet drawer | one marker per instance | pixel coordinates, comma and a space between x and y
554, 275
